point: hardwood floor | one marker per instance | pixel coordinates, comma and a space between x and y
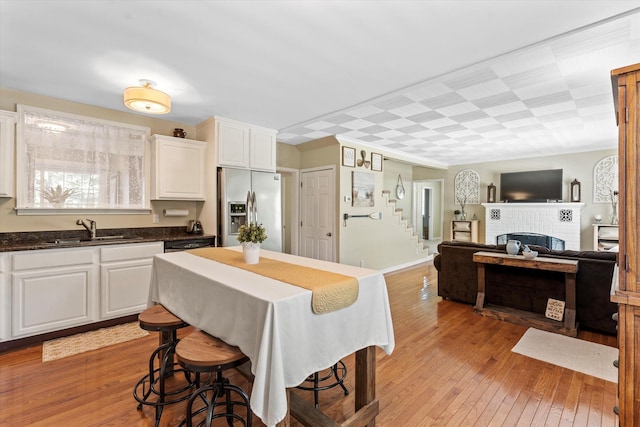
450, 367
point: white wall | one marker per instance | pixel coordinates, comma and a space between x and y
391, 170
378, 244
10, 222
575, 166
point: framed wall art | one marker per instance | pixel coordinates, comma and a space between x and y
349, 157
362, 189
376, 162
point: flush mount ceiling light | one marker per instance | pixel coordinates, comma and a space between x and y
146, 99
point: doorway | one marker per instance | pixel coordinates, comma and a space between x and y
428, 210
427, 214
290, 183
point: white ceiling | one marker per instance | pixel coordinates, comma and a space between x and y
441, 82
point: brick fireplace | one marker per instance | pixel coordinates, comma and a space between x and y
561, 220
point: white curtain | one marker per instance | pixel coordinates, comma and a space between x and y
71, 161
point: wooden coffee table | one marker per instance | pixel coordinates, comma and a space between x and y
537, 320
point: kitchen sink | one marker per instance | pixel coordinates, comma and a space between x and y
100, 240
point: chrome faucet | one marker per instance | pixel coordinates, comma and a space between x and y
91, 228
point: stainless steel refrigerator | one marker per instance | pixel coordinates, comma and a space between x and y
245, 195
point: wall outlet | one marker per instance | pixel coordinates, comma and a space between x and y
361, 263
156, 218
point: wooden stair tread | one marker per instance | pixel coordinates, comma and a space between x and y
159, 316
202, 349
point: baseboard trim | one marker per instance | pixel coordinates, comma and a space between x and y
39, 339
407, 264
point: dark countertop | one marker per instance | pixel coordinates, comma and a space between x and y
25, 241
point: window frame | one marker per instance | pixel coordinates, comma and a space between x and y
21, 162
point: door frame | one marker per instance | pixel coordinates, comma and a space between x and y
439, 204
336, 203
294, 227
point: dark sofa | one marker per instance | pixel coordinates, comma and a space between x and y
528, 289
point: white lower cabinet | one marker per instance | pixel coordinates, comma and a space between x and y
51, 290
5, 300
48, 290
125, 273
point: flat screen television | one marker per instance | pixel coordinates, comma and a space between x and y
531, 186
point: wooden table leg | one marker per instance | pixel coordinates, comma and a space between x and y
365, 378
366, 405
481, 287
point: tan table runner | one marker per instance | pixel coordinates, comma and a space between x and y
330, 291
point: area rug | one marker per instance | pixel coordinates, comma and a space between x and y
92, 340
571, 353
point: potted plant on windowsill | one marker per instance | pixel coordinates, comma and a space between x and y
57, 196
250, 236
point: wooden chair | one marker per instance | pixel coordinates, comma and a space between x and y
200, 352
152, 389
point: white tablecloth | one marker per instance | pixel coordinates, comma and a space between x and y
271, 321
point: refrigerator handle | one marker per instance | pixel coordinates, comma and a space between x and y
249, 208
255, 206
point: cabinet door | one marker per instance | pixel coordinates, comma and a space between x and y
232, 140
5, 300
125, 273
124, 288
262, 149
627, 95
7, 158
51, 299
177, 171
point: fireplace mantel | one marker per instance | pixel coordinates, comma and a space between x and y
560, 220
562, 205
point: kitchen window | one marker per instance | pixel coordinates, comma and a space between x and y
68, 163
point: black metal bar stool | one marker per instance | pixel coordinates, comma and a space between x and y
152, 389
200, 352
336, 374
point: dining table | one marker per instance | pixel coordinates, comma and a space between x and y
275, 323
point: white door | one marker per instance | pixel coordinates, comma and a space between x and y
317, 213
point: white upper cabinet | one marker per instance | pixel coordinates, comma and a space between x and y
177, 168
7, 159
242, 145
233, 143
262, 149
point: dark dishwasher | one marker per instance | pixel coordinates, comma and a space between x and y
185, 244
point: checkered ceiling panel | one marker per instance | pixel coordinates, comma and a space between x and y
551, 98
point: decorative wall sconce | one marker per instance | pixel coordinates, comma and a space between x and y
575, 190
363, 161
491, 193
